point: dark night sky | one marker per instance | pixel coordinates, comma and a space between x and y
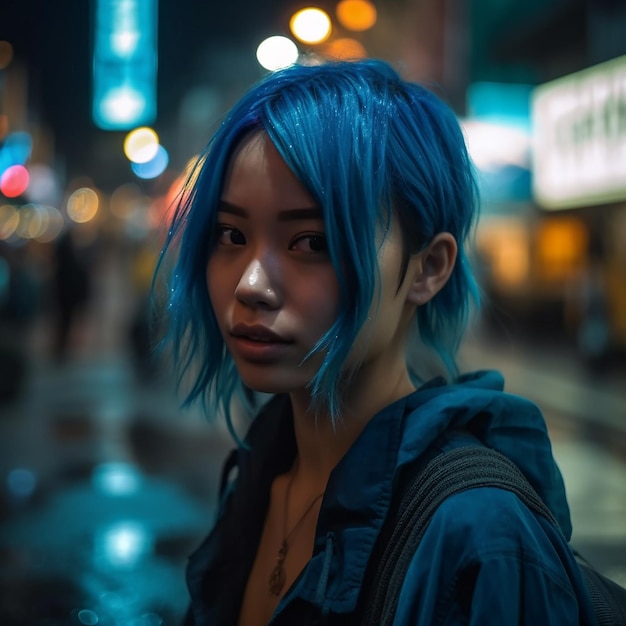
52, 38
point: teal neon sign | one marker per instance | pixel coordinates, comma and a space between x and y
125, 60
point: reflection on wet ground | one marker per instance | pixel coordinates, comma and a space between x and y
107, 491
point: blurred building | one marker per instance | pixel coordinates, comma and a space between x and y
547, 80
554, 269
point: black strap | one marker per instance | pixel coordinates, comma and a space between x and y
448, 473
229, 465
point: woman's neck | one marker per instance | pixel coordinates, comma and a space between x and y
322, 444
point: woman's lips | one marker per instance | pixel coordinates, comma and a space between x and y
257, 332
257, 343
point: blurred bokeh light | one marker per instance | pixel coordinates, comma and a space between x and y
357, 15
122, 107
9, 219
116, 479
277, 52
39, 222
344, 48
154, 167
492, 145
82, 205
311, 25
122, 545
21, 482
44, 184
125, 61
141, 145
14, 181
16, 149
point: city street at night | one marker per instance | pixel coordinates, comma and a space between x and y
109, 485
224, 191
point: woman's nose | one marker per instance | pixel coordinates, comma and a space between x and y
257, 288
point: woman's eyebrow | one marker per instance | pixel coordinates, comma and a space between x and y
286, 215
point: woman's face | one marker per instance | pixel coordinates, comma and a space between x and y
270, 279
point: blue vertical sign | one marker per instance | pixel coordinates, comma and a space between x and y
124, 64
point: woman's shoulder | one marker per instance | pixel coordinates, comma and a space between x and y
483, 514
489, 523
485, 554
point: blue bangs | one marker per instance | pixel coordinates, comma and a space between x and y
330, 127
366, 145
203, 366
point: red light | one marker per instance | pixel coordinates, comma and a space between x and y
14, 181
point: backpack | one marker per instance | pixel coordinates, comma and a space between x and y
459, 469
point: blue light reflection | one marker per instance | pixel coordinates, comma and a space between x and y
116, 479
123, 545
153, 168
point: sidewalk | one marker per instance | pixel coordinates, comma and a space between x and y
108, 487
555, 379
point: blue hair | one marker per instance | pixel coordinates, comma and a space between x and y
365, 144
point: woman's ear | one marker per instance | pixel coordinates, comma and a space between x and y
431, 268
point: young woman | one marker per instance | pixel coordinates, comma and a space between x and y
320, 262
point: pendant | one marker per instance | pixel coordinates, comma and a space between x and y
277, 577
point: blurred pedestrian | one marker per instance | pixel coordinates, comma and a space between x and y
594, 331
71, 283
142, 324
20, 296
320, 256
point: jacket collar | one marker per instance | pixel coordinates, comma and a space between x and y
354, 507
356, 500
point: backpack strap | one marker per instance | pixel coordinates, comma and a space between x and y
451, 472
445, 474
227, 468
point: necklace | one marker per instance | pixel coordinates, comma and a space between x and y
277, 577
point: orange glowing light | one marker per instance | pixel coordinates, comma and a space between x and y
345, 48
561, 247
356, 15
82, 205
9, 220
310, 25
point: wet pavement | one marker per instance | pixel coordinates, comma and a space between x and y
107, 489
107, 485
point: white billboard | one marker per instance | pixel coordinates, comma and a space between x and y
579, 137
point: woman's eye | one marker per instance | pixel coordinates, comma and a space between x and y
310, 243
227, 236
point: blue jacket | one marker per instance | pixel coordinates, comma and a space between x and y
485, 558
